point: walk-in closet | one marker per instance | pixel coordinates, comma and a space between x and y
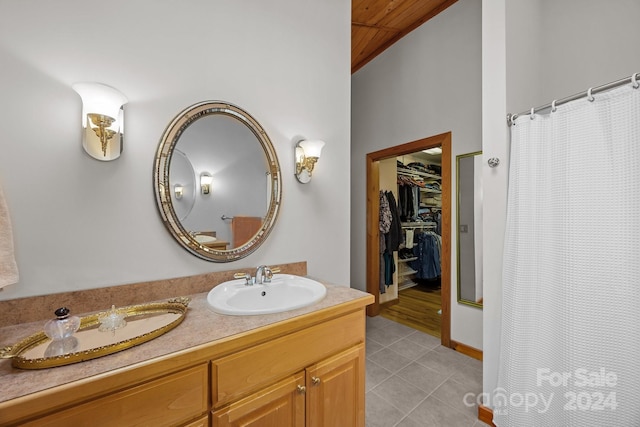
411, 242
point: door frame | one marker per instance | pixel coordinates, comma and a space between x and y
373, 237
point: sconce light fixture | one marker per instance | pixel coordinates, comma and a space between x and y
205, 182
102, 120
178, 191
307, 153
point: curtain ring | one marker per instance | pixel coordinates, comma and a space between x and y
635, 83
589, 96
553, 106
532, 115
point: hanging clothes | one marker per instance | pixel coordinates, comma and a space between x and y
427, 249
384, 226
395, 231
390, 237
406, 202
385, 218
415, 192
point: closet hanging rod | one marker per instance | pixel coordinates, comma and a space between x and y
633, 79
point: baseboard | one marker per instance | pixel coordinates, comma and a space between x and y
485, 414
468, 350
389, 303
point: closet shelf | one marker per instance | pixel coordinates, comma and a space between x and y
418, 174
407, 259
407, 272
429, 190
406, 285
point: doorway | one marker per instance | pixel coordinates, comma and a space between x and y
373, 234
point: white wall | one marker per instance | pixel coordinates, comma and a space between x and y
426, 84
534, 52
80, 223
494, 180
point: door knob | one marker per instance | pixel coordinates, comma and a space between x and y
301, 389
315, 380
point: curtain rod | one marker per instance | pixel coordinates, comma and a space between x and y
589, 93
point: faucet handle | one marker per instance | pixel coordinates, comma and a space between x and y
245, 276
269, 272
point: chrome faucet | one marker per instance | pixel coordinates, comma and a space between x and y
263, 275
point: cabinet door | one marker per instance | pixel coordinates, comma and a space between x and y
335, 390
280, 405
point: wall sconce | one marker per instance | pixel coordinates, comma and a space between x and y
307, 153
102, 120
205, 182
178, 190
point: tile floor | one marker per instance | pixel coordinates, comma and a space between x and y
412, 381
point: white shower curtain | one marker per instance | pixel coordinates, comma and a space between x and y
570, 344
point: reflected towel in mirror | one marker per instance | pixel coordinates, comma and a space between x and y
8, 267
243, 228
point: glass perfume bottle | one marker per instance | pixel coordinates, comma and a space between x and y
63, 326
112, 320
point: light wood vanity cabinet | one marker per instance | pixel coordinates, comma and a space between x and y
327, 394
304, 371
315, 375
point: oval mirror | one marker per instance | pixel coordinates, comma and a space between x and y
217, 181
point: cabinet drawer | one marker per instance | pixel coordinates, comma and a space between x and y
166, 401
248, 370
281, 405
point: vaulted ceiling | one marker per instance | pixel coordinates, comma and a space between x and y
377, 24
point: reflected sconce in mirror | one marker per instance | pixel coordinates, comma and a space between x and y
205, 182
178, 190
307, 153
102, 120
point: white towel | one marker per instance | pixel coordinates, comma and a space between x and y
8, 267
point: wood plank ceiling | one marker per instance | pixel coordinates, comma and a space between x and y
377, 24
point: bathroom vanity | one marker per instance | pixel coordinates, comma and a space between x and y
299, 368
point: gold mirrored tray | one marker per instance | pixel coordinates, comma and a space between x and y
143, 323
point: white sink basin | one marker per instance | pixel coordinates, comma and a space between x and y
285, 292
203, 238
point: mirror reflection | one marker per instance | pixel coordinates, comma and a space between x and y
227, 151
217, 181
469, 224
183, 184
